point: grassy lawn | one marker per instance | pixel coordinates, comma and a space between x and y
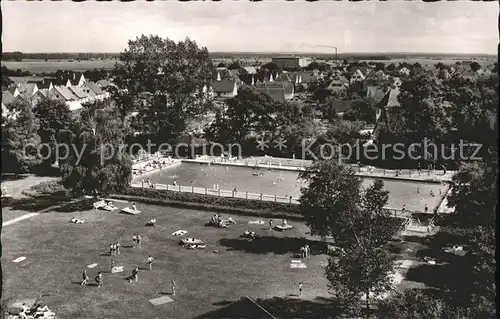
57, 251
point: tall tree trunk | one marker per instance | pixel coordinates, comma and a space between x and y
367, 304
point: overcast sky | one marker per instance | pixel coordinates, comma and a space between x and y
269, 26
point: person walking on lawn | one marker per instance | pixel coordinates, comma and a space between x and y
150, 262
139, 240
85, 277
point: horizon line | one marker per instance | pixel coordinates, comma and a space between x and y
283, 52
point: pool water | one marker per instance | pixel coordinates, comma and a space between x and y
286, 183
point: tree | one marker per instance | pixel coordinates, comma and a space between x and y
20, 141
271, 66
361, 272
379, 66
419, 303
246, 113
439, 66
176, 76
361, 110
474, 66
54, 117
221, 65
391, 67
97, 163
234, 65
335, 205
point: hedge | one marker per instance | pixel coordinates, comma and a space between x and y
213, 203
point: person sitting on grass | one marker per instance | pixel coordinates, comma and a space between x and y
76, 220
152, 222
231, 221
98, 279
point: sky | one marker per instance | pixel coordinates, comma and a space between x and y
241, 26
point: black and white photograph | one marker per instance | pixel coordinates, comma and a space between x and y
249, 159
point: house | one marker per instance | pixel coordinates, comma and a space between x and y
357, 76
80, 94
404, 71
104, 84
38, 97
225, 88
339, 83
376, 78
7, 99
283, 83
27, 90
384, 106
93, 90
289, 62
42, 84
78, 80
276, 93
62, 93
248, 70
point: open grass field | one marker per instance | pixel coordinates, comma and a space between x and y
57, 251
54, 65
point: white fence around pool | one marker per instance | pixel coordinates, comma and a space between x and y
222, 193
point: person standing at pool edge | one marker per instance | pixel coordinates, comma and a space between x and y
172, 285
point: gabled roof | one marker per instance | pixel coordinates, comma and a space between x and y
78, 92
306, 76
65, 93
7, 97
44, 92
377, 75
234, 72
276, 93
224, 86
27, 89
74, 105
94, 87
390, 99
250, 70
375, 93
105, 83
283, 77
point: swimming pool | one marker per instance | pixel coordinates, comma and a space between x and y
286, 183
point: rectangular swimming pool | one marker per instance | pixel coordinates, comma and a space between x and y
286, 183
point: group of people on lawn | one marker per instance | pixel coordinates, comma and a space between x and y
219, 222
115, 250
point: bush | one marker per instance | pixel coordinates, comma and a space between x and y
228, 204
50, 188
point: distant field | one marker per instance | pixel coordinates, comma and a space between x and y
431, 62
52, 66
38, 66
